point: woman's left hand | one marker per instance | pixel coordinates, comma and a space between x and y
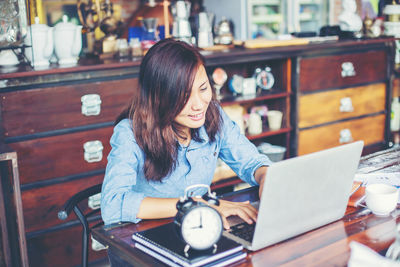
242, 209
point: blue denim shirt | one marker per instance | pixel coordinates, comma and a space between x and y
125, 186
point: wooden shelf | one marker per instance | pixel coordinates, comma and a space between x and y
222, 173
243, 99
225, 183
268, 133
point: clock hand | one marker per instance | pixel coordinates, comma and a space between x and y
201, 219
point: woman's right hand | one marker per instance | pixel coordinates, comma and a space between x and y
242, 209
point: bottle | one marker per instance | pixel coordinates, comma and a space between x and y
395, 115
136, 48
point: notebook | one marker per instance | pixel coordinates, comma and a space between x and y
225, 261
163, 243
301, 194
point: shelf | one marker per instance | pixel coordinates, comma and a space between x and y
267, 18
265, 2
223, 172
242, 99
306, 16
225, 183
268, 133
12, 47
309, 2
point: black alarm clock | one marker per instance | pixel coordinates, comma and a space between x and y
198, 224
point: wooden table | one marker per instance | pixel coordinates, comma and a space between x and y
324, 246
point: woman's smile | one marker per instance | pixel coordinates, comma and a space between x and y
197, 117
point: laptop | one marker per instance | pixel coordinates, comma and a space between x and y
299, 195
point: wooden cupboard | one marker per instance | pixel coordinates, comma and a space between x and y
342, 96
59, 122
46, 121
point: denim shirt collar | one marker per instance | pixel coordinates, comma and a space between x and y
197, 144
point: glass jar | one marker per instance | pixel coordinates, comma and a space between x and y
13, 22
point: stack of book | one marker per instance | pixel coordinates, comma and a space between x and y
164, 244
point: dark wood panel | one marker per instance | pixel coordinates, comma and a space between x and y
13, 251
325, 72
42, 205
46, 109
58, 156
60, 248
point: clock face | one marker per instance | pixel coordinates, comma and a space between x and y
265, 80
201, 227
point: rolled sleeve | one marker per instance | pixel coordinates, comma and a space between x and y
239, 153
120, 198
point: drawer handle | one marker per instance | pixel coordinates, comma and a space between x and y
348, 69
345, 136
96, 245
91, 104
94, 201
93, 151
346, 105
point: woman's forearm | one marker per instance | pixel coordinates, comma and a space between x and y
156, 208
260, 173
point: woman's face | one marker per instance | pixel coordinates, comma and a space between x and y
193, 114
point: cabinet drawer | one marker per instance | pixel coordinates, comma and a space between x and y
342, 70
60, 248
335, 105
41, 205
62, 155
47, 109
370, 129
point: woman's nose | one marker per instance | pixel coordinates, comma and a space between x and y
196, 102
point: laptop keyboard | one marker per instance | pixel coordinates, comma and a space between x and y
243, 230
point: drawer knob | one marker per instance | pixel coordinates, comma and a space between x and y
346, 105
348, 69
91, 104
93, 151
345, 136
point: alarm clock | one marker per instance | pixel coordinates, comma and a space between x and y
198, 224
264, 78
236, 84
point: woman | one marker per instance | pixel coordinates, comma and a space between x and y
174, 133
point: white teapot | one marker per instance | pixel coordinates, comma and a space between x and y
40, 37
67, 42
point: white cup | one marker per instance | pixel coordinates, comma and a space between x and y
254, 124
249, 86
274, 119
381, 199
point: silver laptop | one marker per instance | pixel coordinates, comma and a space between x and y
301, 194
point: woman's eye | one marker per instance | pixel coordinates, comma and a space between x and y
204, 89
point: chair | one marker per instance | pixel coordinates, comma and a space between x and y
72, 204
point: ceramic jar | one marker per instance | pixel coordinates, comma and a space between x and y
67, 42
40, 37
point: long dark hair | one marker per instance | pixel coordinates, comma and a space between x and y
166, 76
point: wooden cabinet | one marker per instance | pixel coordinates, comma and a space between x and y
60, 125
342, 96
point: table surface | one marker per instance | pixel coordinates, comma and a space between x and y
324, 246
